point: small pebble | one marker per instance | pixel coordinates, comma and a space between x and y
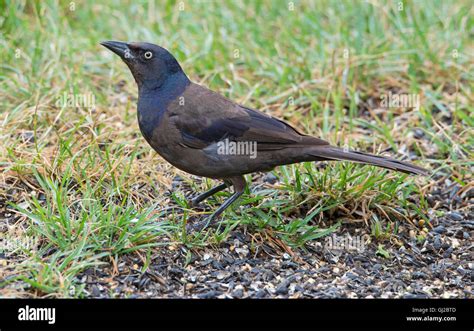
418, 133
28, 136
261, 294
445, 246
455, 216
177, 181
238, 293
270, 178
208, 295
455, 243
419, 275
448, 253
439, 229
283, 287
95, 291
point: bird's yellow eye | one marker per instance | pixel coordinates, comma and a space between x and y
148, 55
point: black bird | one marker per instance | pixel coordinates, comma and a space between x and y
203, 133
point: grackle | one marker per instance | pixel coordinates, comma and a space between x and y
203, 133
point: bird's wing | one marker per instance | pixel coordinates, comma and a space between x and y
207, 117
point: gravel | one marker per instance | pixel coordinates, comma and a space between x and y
437, 266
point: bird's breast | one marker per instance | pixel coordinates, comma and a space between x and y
148, 123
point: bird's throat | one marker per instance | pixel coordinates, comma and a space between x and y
154, 99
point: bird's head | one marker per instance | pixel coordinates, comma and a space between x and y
150, 64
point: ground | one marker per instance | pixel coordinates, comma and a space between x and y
247, 265
87, 209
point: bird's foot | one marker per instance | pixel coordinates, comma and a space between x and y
194, 202
200, 224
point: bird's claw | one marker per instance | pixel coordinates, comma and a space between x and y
195, 227
199, 225
193, 202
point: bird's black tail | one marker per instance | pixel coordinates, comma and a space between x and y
334, 153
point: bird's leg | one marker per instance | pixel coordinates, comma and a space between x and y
239, 186
195, 201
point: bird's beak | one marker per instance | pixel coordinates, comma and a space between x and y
119, 48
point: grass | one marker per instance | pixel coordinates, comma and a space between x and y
84, 187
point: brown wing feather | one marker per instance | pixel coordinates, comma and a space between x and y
208, 117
